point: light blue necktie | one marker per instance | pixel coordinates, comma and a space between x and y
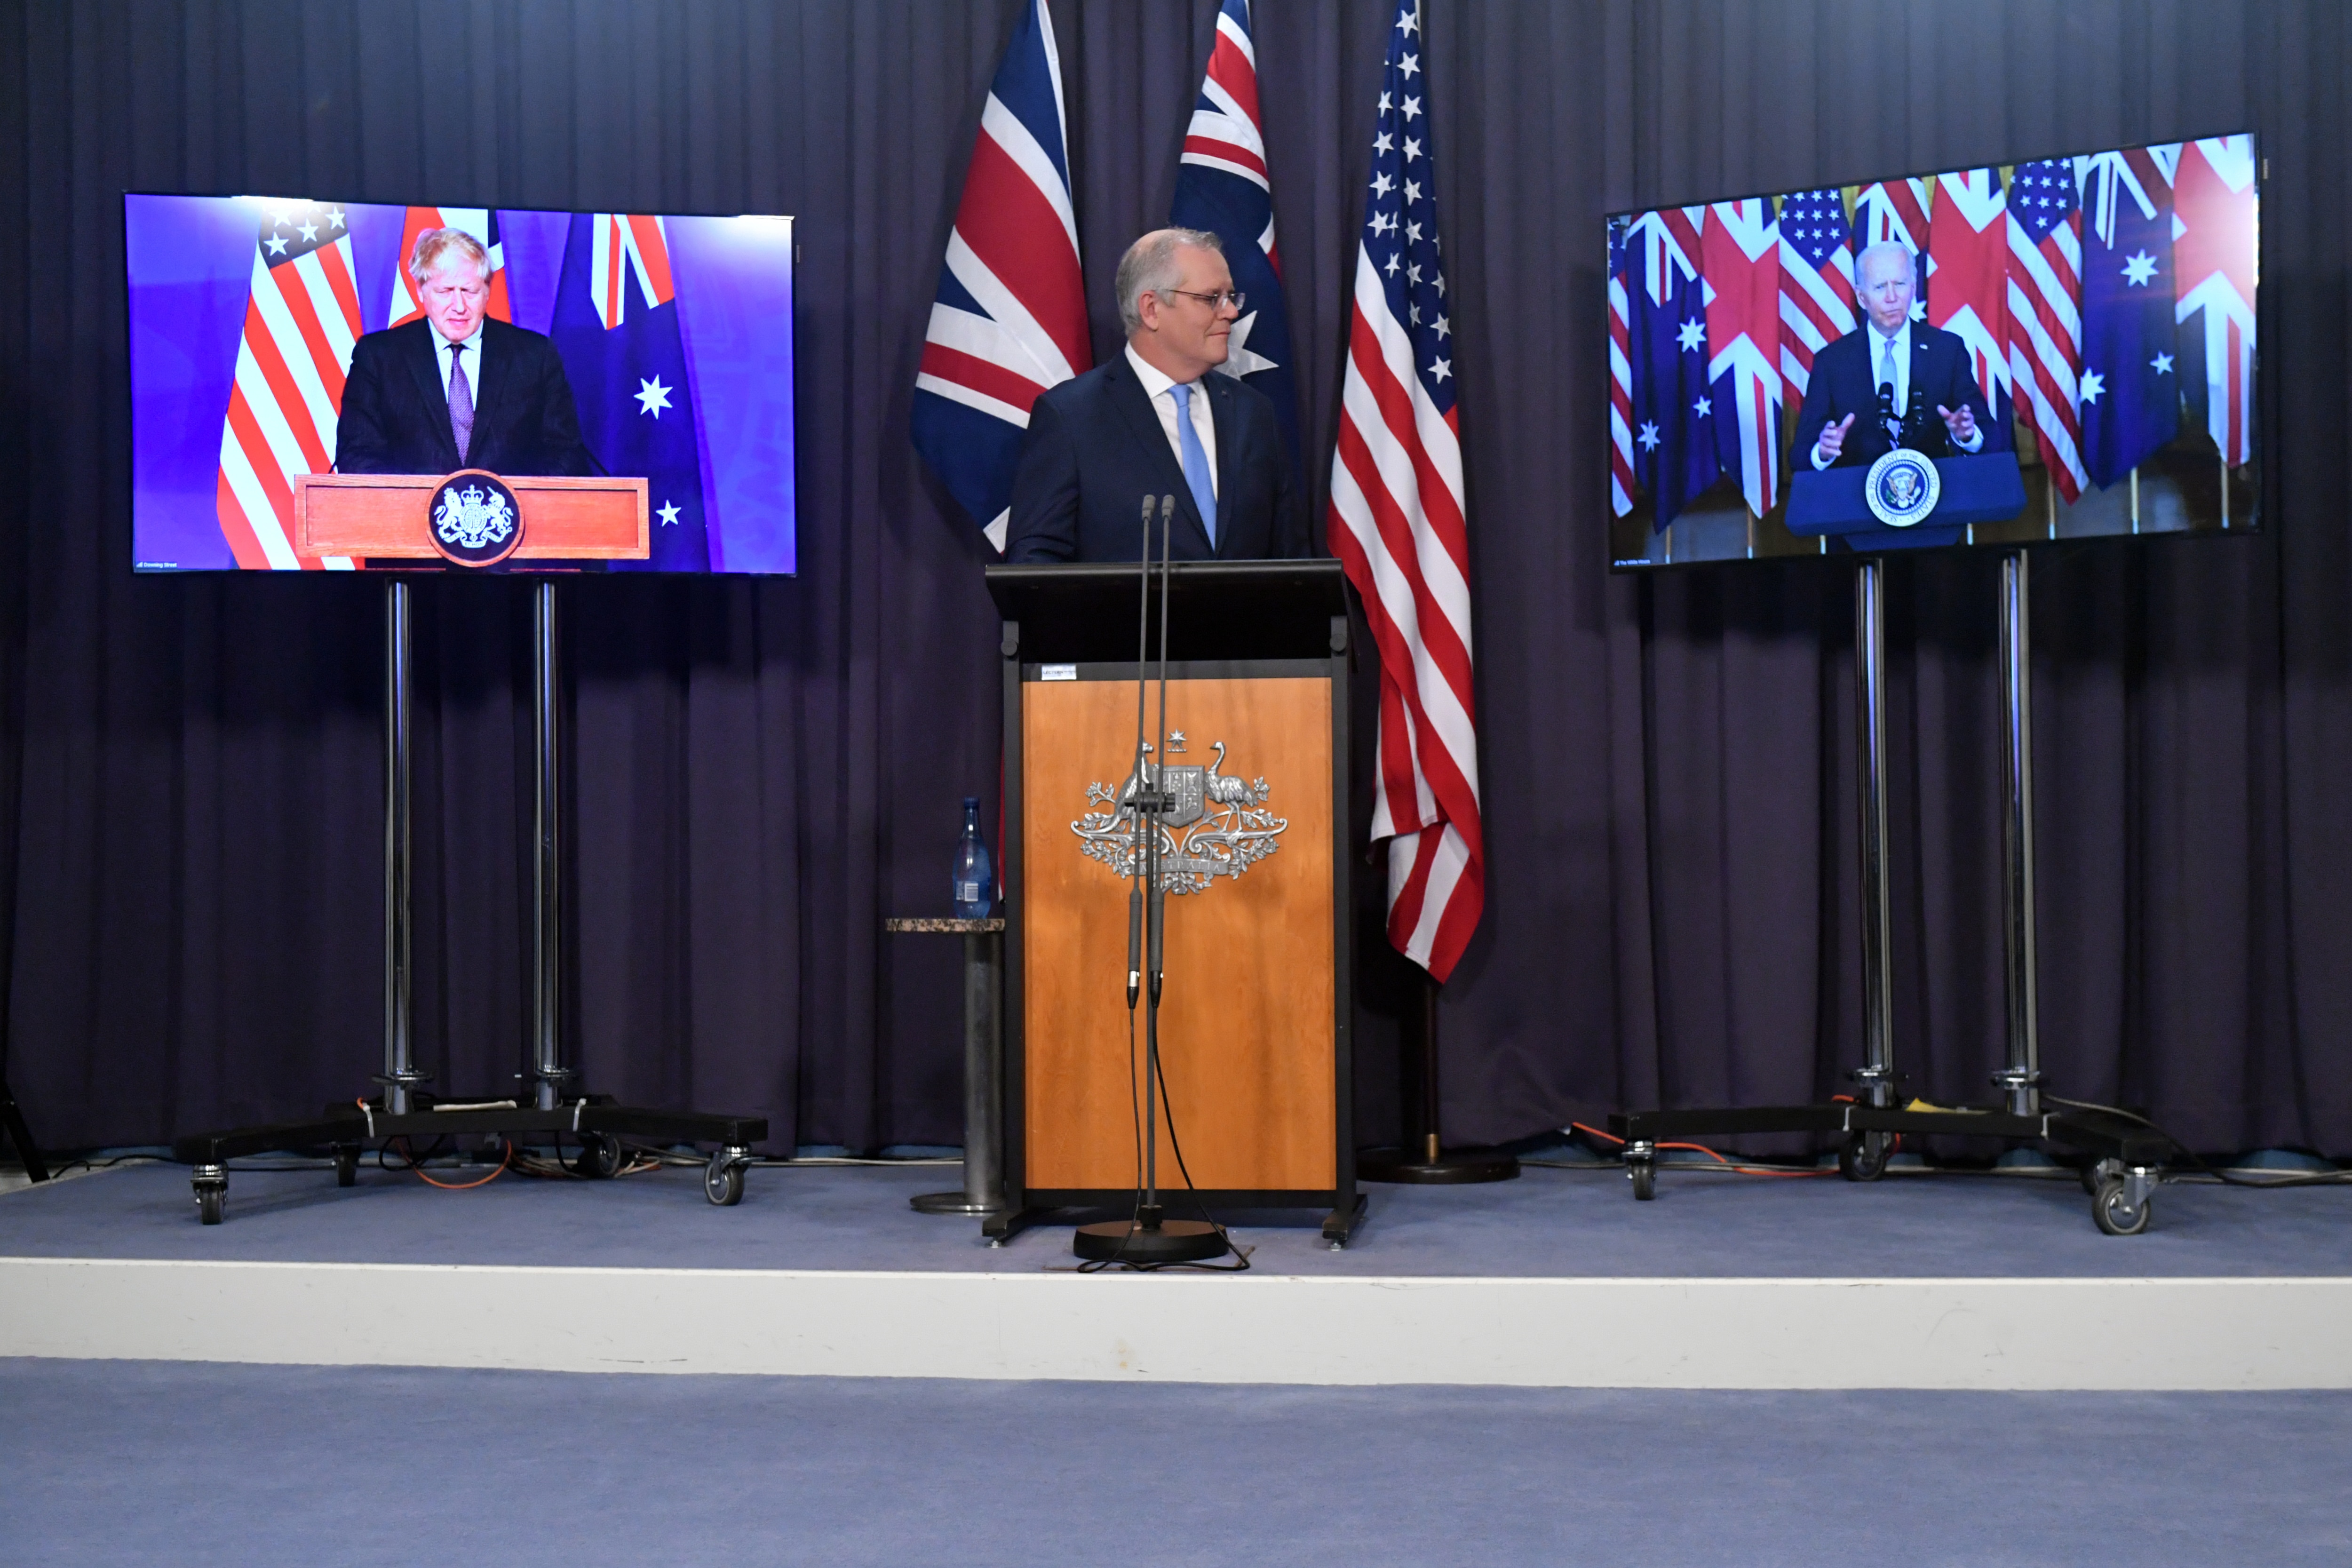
1196, 461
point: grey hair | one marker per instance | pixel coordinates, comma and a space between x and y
435, 245
1888, 246
1150, 267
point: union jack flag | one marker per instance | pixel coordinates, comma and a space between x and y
1969, 241
301, 320
482, 223
1898, 210
1816, 280
1222, 185
2045, 317
2214, 229
1740, 251
1009, 316
1396, 524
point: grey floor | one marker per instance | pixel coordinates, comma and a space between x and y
130, 1462
1549, 1223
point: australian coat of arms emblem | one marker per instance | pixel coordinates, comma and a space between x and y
1213, 824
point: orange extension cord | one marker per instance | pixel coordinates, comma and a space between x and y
1702, 1149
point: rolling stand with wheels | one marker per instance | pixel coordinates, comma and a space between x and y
546, 1102
2127, 1158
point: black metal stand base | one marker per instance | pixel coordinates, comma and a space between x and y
595, 1122
951, 1202
1451, 1168
12, 1125
1172, 1241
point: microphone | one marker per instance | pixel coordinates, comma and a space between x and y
1134, 945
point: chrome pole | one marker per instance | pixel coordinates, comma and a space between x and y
2019, 1080
548, 1073
1876, 1074
399, 1074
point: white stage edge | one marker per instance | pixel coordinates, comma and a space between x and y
1964, 1334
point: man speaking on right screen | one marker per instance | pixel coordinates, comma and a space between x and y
1892, 382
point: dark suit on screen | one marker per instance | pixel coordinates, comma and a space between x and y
395, 418
1095, 449
1845, 381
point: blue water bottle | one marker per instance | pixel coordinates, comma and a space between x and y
975, 878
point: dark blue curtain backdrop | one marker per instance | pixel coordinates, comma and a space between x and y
189, 769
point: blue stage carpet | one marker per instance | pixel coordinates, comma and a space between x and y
124, 1462
1563, 1223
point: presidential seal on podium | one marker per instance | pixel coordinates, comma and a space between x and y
1902, 488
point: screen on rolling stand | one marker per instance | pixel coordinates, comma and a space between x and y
629, 387
2088, 319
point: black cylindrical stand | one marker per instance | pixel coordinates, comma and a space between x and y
984, 1072
1424, 1161
400, 1073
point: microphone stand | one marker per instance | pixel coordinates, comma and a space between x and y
1149, 1238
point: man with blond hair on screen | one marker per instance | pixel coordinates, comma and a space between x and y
455, 389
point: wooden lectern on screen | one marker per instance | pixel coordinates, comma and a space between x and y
1255, 1026
386, 517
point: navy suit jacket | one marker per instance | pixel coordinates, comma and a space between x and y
1845, 381
1095, 449
395, 416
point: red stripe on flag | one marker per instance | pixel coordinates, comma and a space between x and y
290, 405
314, 338
1230, 69
1018, 236
1227, 152
985, 376
654, 253
338, 273
235, 526
266, 471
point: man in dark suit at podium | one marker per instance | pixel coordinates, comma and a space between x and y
1154, 421
1892, 381
457, 389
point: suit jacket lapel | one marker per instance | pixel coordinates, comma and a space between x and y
423, 363
496, 369
1135, 408
1223, 416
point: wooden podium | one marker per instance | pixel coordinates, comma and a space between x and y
1253, 1030
385, 517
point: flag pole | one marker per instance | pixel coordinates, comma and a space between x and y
1423, 1160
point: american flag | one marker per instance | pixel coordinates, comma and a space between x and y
2214, 229
2046, 316
300, 319
1816, 280
1009, 316
1621, 376
1396, 524
1740, 247
1969, 238
482, 223
1222, 186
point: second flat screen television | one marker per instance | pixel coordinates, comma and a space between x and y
624, 381
2089, 319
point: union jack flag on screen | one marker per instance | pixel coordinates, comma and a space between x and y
482, 223
2045, 317
2214, 229
1221, 186
1010, 318
1740, 247
301, 320
1396, 524
1968, 284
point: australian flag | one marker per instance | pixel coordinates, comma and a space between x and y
615, 324
2131, 392
1673, 413
1221, 186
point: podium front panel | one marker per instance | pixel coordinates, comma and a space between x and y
1246, 1030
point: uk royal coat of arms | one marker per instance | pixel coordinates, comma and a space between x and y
1212, 823
475, 519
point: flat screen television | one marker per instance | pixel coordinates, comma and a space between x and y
2089, 319
629, 393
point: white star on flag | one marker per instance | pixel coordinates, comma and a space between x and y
2094, 384
1702, 407
308, 231
667, 511
1409, 23
1649, 436
1440, 368
653, 396
2161, 364
1239, 361
277, 244
1690, 335
1409, 65
1382, 184
2138, 270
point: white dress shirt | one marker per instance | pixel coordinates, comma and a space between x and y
442, 351
1163, 403
1902, 345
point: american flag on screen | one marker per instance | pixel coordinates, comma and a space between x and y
1621, 376
1742, 251
1816, 280
1009, 316
1396, 524
2131, 390
482, 223
2045, 319
1222, 185
301, 320
2213, 230
1969, 239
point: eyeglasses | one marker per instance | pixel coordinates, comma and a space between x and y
1216, 302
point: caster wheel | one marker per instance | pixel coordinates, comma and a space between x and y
1863, 1157
347, 1165
600, 1157
209, 1201
722, 1182
2091, 1176
1645, 1180
2116, 1216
